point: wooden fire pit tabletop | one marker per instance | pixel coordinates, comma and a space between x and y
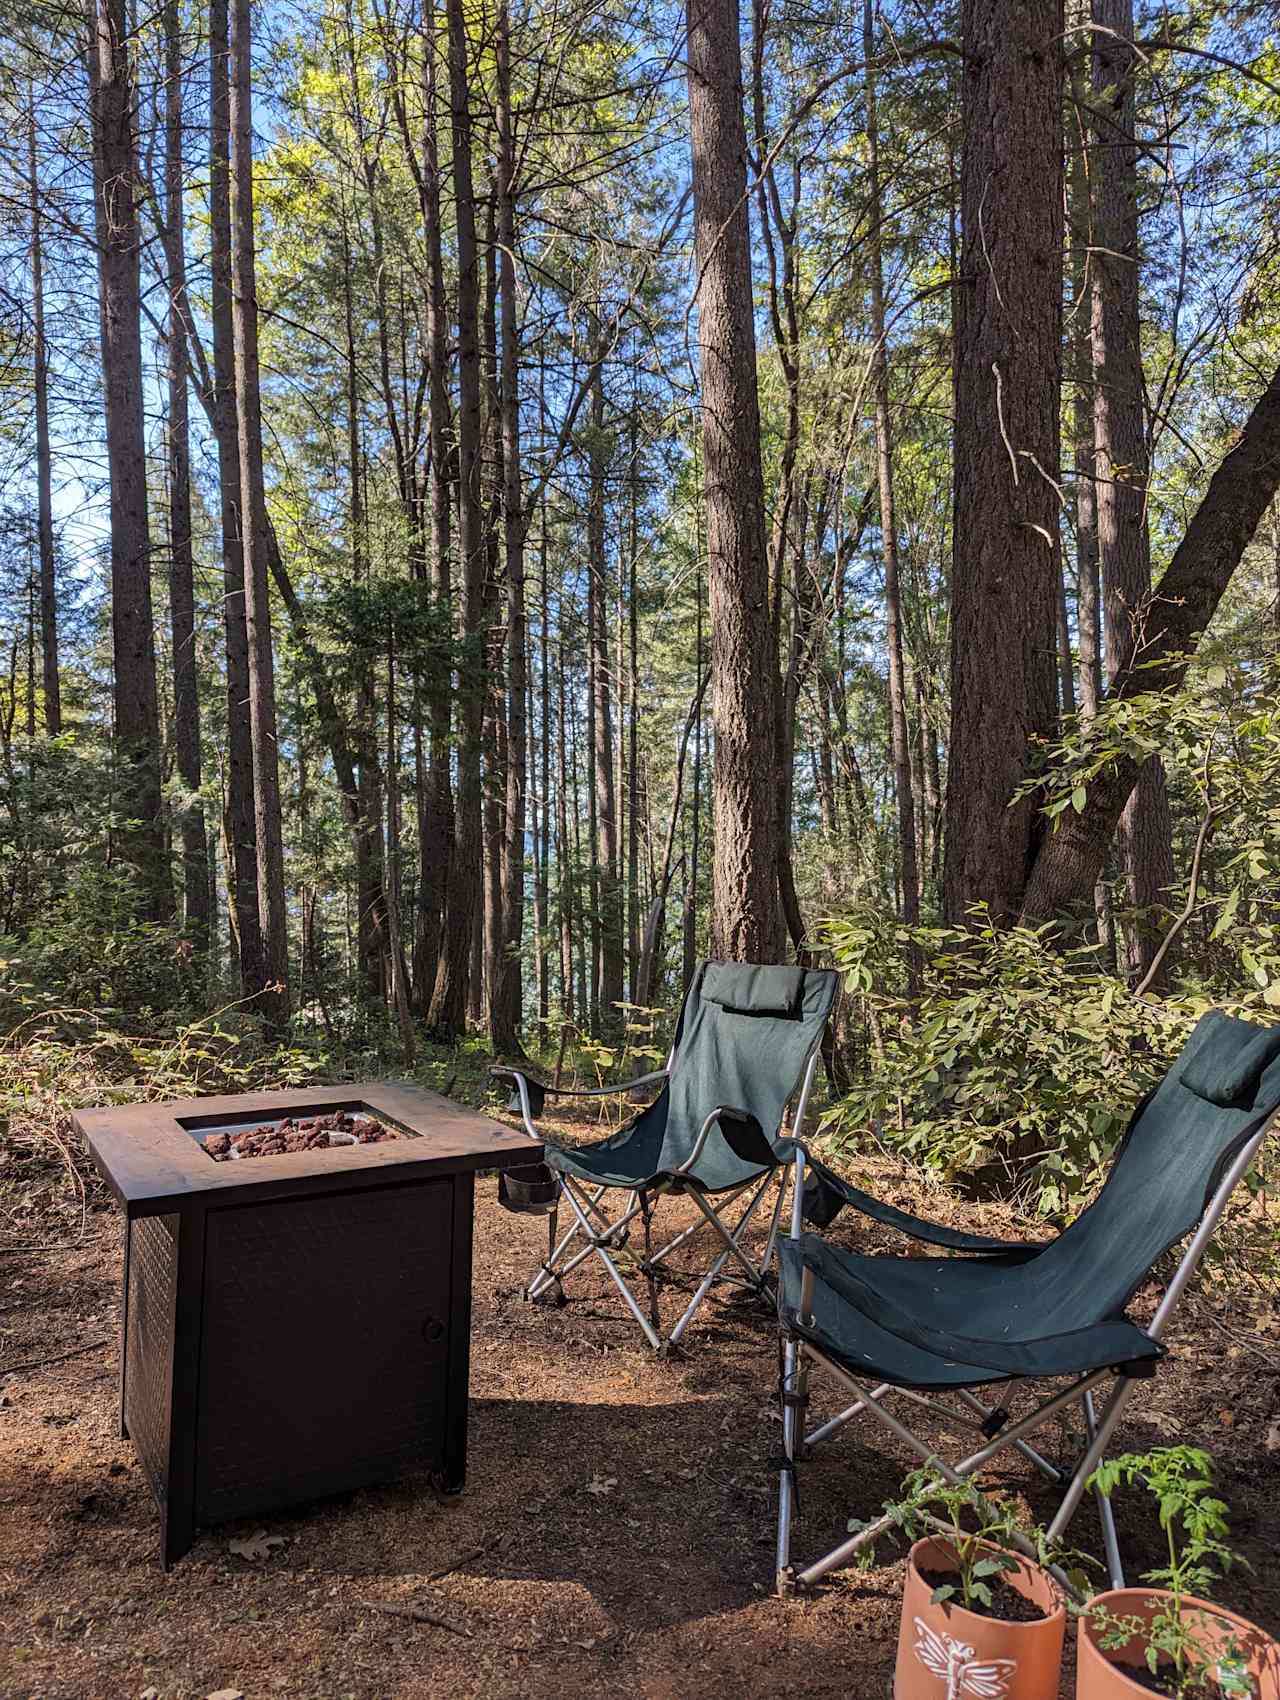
151, 1157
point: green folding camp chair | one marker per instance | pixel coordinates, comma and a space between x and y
747, 1039
931, 1329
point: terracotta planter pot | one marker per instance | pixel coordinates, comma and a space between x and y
1099, 1678
948, 1653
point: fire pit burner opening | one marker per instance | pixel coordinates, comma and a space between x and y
289, 1135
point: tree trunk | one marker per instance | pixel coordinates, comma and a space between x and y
186, 699
136, 705
909, 865
242, 843
1170, 628
1008, 357
450, 999
608, 899
273, 994
435, 807
505, 1000
746, 914
44, 459
1120, 449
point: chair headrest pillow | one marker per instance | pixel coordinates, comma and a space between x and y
1225, 1058
744, 989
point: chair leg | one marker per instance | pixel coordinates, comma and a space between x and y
650, 1332
705, 1285
1106, 1514
1094, 1455
650, 1274
792, 1392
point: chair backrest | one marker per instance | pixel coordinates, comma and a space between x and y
1221, 1090
744, 1037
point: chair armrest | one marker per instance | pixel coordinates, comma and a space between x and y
529, 1096
742, 1134
826, 1193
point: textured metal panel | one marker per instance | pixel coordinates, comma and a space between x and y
148, 1371
326, 1337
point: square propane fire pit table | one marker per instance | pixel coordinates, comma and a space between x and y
297, 1323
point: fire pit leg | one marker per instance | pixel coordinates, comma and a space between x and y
453, 1470
124, 1327
178, 1513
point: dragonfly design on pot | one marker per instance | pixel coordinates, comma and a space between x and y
953, 1662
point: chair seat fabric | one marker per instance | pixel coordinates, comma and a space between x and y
627, 1159
937, 1322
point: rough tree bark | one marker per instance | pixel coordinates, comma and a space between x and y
241, 830
608, 976
435, 803
137, 716
272, 997
1008, 361
450, 998
1120, 446
746, 920
50, 676
186, 698
888, 522
504, 997
1169, 629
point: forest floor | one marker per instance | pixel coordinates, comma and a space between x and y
616, 1532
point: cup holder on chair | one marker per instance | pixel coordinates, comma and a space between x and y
529, 1191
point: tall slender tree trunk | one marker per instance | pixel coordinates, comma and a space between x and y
564, 864
544, 740
399, 966
371, 932
450, 999
505, 998
1088, 581
186, 698
50, 676
136, 704
909, 866
1004, 692
241, 828
609, 902
435, 805
689, 929
633, 699
273, 994
1144, 837
746, 920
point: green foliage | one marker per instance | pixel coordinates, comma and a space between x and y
982, 1533
1011, 1060
1194, 1520
89, 950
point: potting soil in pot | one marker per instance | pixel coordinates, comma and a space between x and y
1007, 1603
1161, 1683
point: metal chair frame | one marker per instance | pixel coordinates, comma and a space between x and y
593, 1231
800, 1355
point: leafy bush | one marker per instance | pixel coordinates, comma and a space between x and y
1012, 1065
88, 949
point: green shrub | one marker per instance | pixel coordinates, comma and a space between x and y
1013, 1066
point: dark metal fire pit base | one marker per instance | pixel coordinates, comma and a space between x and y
304, 1333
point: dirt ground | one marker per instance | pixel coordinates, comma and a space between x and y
615, 1536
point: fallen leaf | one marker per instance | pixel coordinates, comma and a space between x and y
1272, 1441
228, 1693
1226, 1416
253, 1547
602, 1484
